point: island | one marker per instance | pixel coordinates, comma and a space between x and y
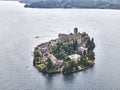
68, 53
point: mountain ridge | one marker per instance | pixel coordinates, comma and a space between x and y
102, 4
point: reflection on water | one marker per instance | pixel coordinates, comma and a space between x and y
68, 78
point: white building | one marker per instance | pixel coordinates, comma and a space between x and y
82, 49
74, 57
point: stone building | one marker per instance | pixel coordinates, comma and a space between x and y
70, 37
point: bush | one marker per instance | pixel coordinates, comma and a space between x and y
79, 68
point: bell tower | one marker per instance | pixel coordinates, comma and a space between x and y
75, 31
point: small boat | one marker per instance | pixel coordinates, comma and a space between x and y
37, 37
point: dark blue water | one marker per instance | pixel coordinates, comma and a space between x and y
20, 26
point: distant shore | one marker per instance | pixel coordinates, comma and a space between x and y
74, 4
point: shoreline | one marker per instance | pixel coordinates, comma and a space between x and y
59, 72
23, 4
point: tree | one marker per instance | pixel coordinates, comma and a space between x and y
49, 64
88, 43
92, 40
84, 52
37, 56
83, 61
75, 44
66, 59
91, 55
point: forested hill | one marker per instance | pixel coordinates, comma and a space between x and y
104, 4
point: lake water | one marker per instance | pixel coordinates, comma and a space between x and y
18, 28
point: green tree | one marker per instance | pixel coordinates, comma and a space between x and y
88, 43
66, 59
49, 64
91, 55
36, 54
92, 40
83, 61
75, 44
84, 53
